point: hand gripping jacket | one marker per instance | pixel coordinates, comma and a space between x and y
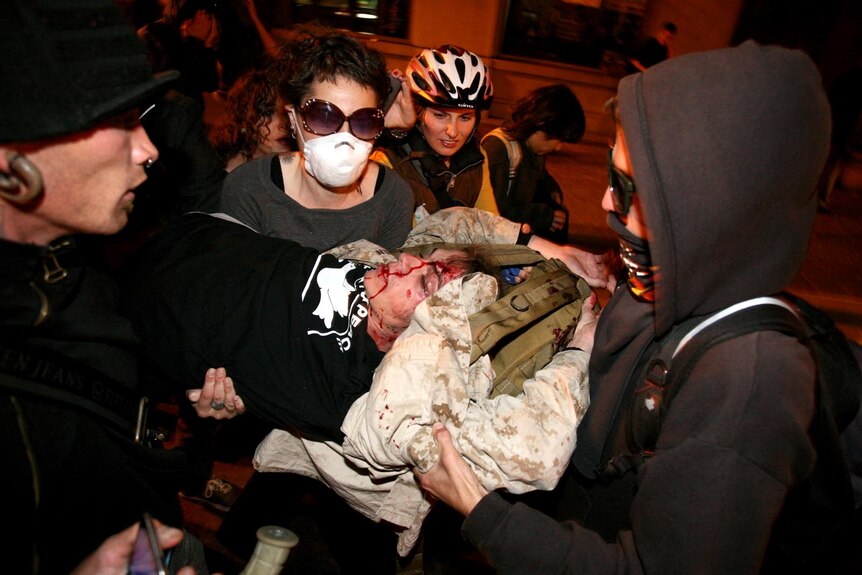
530, 321
450, 76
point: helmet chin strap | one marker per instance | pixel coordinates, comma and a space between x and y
23, 182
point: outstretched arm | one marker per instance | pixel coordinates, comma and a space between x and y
469, 225
594, 268
270, 45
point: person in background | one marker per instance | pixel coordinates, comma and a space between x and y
706, 161
538, 125
79, 463
326, 193
186, 39
440, 156
256, 123
654, 50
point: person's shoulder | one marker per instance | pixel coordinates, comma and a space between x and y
494, 142
395, 184
386, 157
249, 176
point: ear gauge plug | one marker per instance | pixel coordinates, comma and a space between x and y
23, 183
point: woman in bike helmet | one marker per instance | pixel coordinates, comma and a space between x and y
439, 156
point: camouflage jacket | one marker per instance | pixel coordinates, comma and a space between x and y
427, 377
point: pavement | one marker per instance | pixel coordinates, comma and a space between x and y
831, 278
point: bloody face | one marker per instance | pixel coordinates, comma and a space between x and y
395, 289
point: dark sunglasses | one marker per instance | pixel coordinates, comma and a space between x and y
324, 118
622, 187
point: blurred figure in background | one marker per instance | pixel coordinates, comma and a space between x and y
656, 49
255, 122
186, 38
525, 192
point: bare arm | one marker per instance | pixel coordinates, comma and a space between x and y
270, 45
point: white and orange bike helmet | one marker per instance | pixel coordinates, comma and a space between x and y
450, 76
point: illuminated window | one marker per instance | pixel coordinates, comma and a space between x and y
594, 33
381, 17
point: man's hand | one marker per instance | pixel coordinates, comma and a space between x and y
584, 333
217, 398
559, 220
594, 268
114, 555
451, 480
401, 115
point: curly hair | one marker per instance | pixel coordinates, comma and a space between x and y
321, 54
251, 102
554, 110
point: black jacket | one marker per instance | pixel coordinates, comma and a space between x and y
286, 322
69, 478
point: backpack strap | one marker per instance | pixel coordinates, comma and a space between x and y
513, 147
663, 382
550, 286
681, 350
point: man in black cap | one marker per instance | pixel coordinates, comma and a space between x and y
77, 466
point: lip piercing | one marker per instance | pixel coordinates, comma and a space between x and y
149, 163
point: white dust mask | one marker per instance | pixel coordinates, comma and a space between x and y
336, 160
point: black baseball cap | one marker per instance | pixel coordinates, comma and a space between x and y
67, 65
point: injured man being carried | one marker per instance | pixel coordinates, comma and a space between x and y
304, 357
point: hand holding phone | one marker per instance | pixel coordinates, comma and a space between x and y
398, 107
394, 90
147, 557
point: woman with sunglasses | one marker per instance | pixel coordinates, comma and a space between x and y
326, 193
439, 156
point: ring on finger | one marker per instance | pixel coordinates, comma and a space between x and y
217, 405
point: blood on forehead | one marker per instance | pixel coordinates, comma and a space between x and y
445, 270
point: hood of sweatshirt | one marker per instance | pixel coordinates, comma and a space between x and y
725, 148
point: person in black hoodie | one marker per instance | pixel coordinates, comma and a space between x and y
713, 175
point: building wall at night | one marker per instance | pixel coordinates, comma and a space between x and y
480, 26
581, 43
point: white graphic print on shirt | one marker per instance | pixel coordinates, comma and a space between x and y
337, 291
